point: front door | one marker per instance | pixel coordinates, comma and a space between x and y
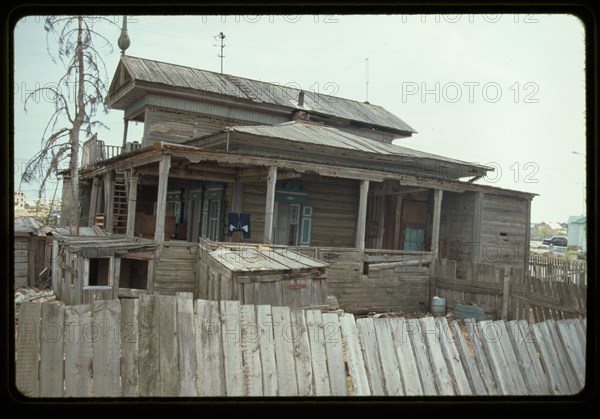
286, 224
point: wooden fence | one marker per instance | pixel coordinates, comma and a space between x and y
508, 294
558, 269
172, 346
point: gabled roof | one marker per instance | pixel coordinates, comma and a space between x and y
246, 90
25, 225
303, 139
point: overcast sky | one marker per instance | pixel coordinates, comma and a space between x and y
502, 90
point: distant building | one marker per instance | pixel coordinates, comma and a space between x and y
552, 227
576, 231
19, 201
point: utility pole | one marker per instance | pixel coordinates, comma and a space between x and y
221, 56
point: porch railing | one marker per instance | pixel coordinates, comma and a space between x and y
95, 150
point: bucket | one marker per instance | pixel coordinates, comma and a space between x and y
438, 306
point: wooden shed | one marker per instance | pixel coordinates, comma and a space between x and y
30, 258
255, 274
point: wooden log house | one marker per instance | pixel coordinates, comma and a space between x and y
230, 159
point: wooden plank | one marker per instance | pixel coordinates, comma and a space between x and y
573, 349
417, 341
210, 368
186, 343
490, 336
511, 359
356, 365
438, 363
549, 358
318, 354
569, 372
28, 349
232, 348
284, 352
435, 224
335, 355
393, 265
389, 360
406, 360
168, 350
361, 219
129, 347
528, 339
368, 343
250, 334
106, 362
51, 350
161, 206
468, 361
78, 351
304, 374
148, 347
529, 373
264, 320
481, 359
578, 340
459, 378
270, 204
506, 294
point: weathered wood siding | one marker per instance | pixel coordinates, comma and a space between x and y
161, 124
504, 230
335, 207
175, 269
457, 229
402, 288
254, 204
21, 261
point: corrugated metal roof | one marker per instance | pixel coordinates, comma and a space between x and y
321, 135
260, 92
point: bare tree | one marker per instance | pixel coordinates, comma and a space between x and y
77, 97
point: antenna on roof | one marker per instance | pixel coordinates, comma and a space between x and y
221, 55
367, 79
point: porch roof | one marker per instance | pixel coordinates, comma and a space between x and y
238, 161
316, 142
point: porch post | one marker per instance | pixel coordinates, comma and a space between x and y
131, 202
93, 202
361, 221
435, 228
270, 204
109, 196
161, 200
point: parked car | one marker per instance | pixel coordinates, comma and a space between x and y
581, 254
538, 247
556, 241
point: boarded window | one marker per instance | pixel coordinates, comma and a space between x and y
133, 274
99, 272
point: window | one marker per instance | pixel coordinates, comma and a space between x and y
99, 272
213, 219
133, 274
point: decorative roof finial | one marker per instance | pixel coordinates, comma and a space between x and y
124, 40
